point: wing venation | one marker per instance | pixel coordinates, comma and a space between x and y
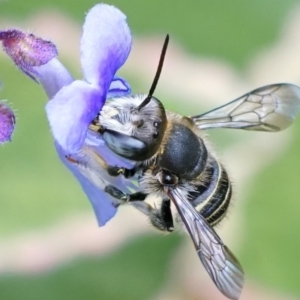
269, 108
219, 262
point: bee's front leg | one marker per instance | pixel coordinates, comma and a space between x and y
96, 126
116, 171
97, 160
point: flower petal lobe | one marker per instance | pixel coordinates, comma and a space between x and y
105, 44
119, 87
71, 111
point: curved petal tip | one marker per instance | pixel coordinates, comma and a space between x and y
105, 44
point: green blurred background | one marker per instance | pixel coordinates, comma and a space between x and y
36, 191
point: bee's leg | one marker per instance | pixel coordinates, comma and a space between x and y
161, 218
116, 171
95, 125
118, 194
93, 160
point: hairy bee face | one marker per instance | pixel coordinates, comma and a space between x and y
139, 128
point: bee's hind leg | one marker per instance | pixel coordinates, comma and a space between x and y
161, 218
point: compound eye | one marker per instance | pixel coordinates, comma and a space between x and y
168, 178
125, 145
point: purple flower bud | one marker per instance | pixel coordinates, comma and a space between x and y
26, 50
7, 122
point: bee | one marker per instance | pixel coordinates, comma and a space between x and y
172, 160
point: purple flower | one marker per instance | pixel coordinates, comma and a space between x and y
7, 122
73, 104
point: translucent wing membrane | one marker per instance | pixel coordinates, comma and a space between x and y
269, 108
219, 262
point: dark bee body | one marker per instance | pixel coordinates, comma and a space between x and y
182, 170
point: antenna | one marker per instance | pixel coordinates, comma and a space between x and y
158, 71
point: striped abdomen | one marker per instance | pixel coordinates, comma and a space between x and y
213, 198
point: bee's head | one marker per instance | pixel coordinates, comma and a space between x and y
133, 128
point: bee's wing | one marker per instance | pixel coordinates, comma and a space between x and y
219, 262
269, 108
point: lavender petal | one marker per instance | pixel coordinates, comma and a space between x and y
7, 122
71, 111
119, 87
104, 207
53, 76
105, 44
87, 166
